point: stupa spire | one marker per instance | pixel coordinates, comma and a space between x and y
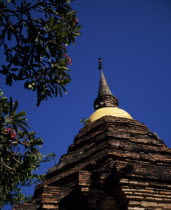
103, 86
105, 97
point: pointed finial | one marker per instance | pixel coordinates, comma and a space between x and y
105, 97
100, 67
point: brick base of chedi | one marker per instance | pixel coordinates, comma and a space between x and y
115, 163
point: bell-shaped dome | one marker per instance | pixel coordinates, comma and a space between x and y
108, 111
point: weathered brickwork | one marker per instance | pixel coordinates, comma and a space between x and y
113, 164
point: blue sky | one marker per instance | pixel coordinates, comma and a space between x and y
134, 39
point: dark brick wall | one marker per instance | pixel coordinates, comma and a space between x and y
114, 163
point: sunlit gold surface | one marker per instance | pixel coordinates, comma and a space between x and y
111, 111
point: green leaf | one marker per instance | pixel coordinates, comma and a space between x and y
15, 107
22, 122
21, 126
13, 69
9, 79
11, 104
21, 114
60, 92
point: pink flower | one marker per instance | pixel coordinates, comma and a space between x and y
75, 21
11, 132
69, 59
8, 129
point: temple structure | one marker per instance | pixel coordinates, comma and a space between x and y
114, 163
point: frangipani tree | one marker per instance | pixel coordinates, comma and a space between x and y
35, 35
19, 153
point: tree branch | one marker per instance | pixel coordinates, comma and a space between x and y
6, 165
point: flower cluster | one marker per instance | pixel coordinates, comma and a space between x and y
11, 132
75, 22
69, 59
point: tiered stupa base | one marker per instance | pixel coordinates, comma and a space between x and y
113, 164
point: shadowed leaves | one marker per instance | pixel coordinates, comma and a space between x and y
35, 36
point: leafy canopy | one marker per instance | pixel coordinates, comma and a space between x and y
19, 154
34, 37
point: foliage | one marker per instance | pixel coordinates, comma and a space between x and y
19, 154
85, 121
34, 36
33, 39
